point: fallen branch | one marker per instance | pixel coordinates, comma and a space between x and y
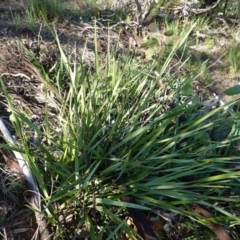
216, 227
185, 10
205, 10
35, 200
142, 224
140, 220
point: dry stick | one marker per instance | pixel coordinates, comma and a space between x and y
200, 11
35, 199
27, 66
188, 9
216, 227
140, 220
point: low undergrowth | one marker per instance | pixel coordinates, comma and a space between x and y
128, 127
121, 130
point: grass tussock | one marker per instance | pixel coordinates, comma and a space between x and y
123, 128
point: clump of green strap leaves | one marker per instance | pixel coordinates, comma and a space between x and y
111, 126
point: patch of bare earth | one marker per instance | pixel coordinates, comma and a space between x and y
222, 38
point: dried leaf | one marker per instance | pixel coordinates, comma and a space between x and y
13, 165
157, 226
153, 27
139, 40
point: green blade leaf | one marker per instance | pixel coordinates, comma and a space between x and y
169, 33
233, 90
152, 42
187, 88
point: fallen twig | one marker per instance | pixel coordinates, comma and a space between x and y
140, 220
216, 227
142, 224
35, 195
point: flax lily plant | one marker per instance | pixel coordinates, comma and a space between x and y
115, 137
